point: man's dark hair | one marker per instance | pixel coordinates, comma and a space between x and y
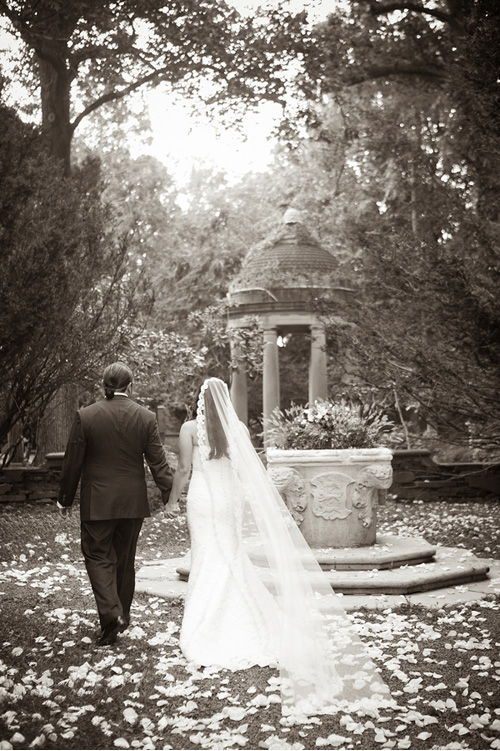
117, 377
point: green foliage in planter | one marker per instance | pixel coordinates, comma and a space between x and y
328, 424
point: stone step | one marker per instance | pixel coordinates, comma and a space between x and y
460, 577
450, 567
388, 551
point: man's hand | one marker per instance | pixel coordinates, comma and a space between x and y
170, 510
64, 511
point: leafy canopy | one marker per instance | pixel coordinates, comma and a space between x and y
204, 48
400, 107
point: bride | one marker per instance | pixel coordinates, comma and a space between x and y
256, 594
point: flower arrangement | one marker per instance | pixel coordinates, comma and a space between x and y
329, 424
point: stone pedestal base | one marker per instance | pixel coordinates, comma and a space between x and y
451, 567
162, 579
393, 566
388, 552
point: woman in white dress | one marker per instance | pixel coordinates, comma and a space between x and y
229, 616
256, 594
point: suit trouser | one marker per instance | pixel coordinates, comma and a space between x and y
108, 547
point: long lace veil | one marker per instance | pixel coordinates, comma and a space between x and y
324, 666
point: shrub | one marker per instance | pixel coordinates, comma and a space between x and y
329, 424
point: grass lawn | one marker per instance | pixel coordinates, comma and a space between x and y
58, 691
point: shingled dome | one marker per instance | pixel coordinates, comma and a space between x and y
289, 257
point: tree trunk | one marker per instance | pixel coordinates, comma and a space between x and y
55, 84
15, 449
55, 425
55, 91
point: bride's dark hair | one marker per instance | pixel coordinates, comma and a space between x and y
216, 437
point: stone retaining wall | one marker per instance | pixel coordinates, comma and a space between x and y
19, 483
416, 476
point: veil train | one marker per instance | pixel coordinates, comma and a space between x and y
324, 665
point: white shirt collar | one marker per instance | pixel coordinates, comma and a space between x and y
120, 393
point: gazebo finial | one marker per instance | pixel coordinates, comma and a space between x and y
292, 216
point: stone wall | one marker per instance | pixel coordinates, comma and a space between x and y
416, 476
19, 483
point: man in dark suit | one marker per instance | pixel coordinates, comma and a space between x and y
106, 448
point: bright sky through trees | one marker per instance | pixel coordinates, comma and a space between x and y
184, 139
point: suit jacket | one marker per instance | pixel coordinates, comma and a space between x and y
106, 448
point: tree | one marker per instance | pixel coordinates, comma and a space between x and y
426, 69
428, 329
167, 371
409, 106
68, 294
191, 255
88, 54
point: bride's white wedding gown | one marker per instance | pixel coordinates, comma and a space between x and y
230, 618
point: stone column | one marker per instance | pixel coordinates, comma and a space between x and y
271, 375
238, 389
318, 385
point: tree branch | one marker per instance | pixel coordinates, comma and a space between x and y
388, 71
31, 39
93, 52
89, 53
28, 36
114, 96
379, 9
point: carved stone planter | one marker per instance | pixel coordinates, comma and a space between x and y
333, 494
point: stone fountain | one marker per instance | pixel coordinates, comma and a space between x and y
333, 497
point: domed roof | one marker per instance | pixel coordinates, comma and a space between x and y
289, 256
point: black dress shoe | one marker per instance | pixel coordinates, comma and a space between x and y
124, 625
111, 630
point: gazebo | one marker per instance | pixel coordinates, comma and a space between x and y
280, 283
